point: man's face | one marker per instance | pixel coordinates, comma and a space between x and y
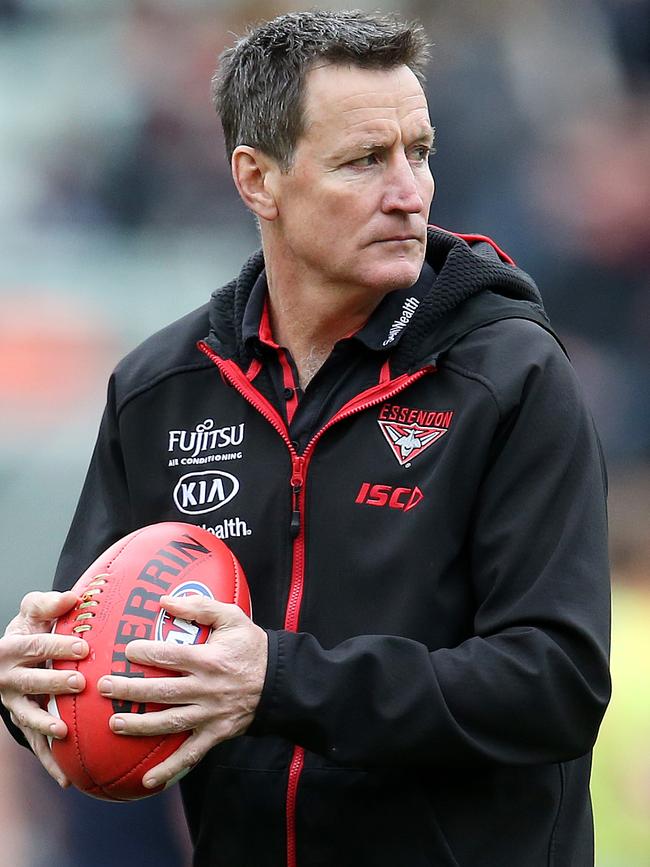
352, 211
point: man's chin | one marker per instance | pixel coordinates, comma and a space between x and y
398, 275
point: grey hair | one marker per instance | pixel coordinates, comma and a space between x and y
258, 88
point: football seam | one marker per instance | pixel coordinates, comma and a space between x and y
235, 565
135, 767
131, 538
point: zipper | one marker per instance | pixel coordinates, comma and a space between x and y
299, 466
295, 771
294, 599
297, 482
232, 374
364, 401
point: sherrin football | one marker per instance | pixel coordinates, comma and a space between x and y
119, 602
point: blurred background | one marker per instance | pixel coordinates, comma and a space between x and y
117, 215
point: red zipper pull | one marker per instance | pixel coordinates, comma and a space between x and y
297, 480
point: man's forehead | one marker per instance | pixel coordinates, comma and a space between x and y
355, 98
351, 88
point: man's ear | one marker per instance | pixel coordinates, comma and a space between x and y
252, 171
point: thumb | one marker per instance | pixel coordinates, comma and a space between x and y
207, 612
42, 607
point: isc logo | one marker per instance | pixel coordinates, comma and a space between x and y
403, 499
198, 493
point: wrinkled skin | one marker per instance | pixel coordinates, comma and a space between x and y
25, 681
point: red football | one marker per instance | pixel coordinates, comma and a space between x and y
119, 602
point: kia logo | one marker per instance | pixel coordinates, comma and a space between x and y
198, 493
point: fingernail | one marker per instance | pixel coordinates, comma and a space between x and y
118, 724
74, 681
78, 648
54, 730
106, 686
150, 782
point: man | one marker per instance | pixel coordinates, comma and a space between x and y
419, 503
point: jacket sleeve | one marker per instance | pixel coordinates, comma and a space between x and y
532, 684
103, 513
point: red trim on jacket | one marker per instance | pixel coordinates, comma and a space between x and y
253, 369
288, 379
472, 237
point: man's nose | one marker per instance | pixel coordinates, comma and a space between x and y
401, 193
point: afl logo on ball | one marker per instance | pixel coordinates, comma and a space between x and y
175, 630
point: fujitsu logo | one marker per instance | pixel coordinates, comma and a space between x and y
402, 499
206, 437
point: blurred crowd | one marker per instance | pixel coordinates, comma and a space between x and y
543, 122
112, 157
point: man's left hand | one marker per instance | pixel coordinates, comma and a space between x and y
216, 694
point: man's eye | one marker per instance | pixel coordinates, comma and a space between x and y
422, 153
365, 161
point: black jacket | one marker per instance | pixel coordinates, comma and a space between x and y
431, 570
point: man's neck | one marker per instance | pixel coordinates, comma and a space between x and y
308, 320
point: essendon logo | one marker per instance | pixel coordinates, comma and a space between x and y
403, 499
409, 432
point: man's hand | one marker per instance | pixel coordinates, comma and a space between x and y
216, 694
24, 650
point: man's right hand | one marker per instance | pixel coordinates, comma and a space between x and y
24, 650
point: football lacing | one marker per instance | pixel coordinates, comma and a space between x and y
94, 589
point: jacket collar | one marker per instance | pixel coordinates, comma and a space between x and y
455, 270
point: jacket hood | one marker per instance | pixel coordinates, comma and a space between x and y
463, 268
